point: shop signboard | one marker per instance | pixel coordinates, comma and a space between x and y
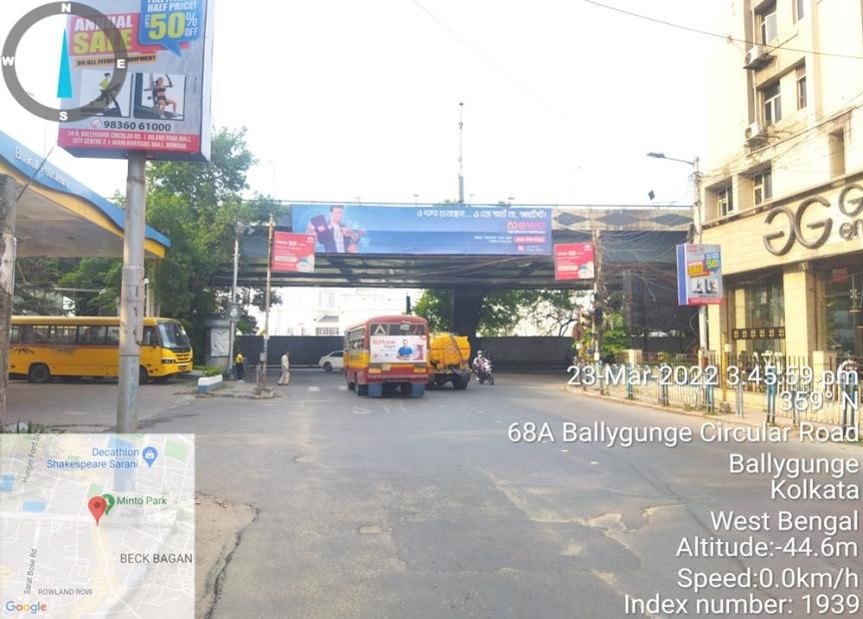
293, 253
699, 274
444, 229
163, 104
573, 261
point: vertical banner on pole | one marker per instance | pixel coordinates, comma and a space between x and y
699, 274
293, 253
574, 261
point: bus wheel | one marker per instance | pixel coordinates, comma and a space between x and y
362, 389
39, 373
143, 376
352, 386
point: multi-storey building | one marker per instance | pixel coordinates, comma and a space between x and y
783, 189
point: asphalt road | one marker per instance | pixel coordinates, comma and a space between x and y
400, 507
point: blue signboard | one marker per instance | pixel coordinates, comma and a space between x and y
444, 229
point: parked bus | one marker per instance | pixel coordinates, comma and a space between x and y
387, 351
44, 347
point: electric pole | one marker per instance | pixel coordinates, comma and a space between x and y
460, 152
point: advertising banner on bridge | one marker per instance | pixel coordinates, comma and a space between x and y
573, 261
699, 274
293, 253
163, 105
445, 229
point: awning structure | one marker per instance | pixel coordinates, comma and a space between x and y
58, 216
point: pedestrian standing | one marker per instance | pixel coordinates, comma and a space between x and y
240, 363
285, 378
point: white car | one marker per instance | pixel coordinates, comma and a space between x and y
332, 361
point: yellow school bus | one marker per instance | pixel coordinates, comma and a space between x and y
44, 347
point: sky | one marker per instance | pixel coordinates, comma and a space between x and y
359, 101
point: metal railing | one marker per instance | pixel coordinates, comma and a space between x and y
773, 385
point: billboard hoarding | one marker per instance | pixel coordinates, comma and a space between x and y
163, 106
293, 253
448, 229
699, 274
574, 261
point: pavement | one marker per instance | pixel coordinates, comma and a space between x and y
402, 507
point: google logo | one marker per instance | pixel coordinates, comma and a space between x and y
33, 609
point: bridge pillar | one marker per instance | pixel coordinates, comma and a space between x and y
466, 307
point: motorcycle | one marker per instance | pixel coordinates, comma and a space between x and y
483, 370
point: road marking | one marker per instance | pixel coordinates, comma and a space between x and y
594, 463
361, 411
343, 387
314, 388
566, 451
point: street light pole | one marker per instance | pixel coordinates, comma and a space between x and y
262, 375
234, 297
698, 221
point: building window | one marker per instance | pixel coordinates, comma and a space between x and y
771, 105
765, 20
724, 201
836, 148
799, 10
801, 87
762, 187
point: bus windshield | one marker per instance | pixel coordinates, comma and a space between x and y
173, 335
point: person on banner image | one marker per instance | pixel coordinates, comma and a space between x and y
160, 96
285, 378
405, 352
106, 93
335, 236
240, 363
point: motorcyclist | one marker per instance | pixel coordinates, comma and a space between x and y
481, 366
478, 362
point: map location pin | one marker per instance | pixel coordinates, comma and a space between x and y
97, 507
150, 454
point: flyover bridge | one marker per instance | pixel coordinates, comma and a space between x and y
635, 237
636, 244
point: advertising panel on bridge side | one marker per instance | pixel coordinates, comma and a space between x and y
163, 104
573, 261
444, 229
699, 274
293, 253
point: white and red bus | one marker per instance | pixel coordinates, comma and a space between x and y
387, 351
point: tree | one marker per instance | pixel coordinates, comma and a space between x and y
198, 207
436, 307
501, 311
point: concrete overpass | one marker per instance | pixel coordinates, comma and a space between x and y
638, 258
632, 237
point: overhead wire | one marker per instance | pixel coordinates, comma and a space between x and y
726, 37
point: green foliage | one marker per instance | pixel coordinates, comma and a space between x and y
98, 281
501, 311
103, 274
435, 306
198, 207
35, 280
615, 339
